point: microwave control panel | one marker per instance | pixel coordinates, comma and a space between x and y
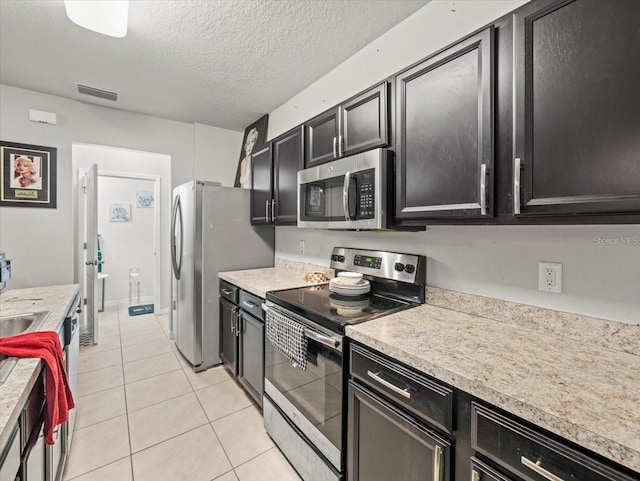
366, 197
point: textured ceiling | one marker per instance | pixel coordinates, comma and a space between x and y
219, 62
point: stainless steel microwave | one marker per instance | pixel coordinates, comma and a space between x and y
348, 193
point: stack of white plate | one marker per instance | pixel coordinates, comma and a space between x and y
359, 288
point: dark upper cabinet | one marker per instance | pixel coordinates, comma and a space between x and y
576, 133
322, 134
444, 136
288, 155
359, 124
261, 186
274, 190
364, 121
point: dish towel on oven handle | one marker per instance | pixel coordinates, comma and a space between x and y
287, 337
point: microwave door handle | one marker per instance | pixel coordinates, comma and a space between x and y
345, 196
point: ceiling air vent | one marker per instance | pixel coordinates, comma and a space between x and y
94, 92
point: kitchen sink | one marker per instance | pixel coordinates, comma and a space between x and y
13, 325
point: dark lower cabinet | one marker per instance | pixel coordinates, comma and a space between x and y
444, 133
228, 337
384, 443
482, 472
251, 369
530, 454
576, 118
242, 338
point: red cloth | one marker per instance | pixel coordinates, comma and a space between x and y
45, 345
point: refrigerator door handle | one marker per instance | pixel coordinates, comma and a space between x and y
174, 265
176, 214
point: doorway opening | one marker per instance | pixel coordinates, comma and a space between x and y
123, 202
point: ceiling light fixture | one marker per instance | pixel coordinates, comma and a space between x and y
108, 17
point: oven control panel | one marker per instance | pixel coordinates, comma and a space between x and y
390, 265
367, 261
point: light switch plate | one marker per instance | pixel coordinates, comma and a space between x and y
550, 277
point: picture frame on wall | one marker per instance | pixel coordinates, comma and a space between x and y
120, 212
254, 136
28, 175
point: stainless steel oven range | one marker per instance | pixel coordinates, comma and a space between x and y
303, 401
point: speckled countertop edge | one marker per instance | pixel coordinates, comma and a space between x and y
15, 390
285, 275
583, 392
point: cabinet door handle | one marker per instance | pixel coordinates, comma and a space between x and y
335, 141
387, 384
234, 313
475, 475
517, 167
266, 211
273, 210
539, 469
437, 461
238, 322
340, 146
483, 189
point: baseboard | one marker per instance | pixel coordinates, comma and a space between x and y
163, 311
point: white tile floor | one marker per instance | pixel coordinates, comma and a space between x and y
144, 415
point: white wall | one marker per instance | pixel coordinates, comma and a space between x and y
601, 280
42, 248
114, 160
125, 245
217, 153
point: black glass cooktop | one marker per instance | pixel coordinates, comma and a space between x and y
320, 305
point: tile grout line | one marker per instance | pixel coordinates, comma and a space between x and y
126, 406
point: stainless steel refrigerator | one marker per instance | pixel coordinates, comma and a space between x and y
210, 232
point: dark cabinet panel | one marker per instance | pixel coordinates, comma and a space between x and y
482, 472
251, 372
529, 454
577, 123
321, 134
228, 338
445, 133
288, 154
364, 121
261, 186
384, 443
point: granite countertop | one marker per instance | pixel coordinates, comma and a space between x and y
14, 391
582, 391
285, 275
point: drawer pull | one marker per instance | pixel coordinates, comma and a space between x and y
249, 304
226, 291
539, 469
475, 475
393, 387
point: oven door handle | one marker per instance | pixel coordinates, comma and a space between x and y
328, 341
324, 340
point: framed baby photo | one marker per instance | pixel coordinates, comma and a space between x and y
27, 175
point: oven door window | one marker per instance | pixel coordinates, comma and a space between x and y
316, 392
323, 200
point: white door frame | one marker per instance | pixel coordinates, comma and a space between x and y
156, 224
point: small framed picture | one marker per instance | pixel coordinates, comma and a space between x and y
27, 175
120, 212
144, 199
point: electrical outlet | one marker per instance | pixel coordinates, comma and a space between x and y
301, 247
550, 277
